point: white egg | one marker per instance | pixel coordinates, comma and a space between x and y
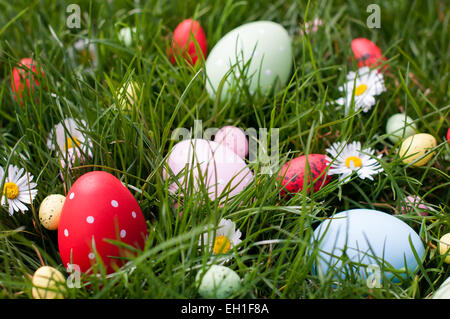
50, 211
48, 283
126, 36
259, 51
218, 282
444, 290
400, 126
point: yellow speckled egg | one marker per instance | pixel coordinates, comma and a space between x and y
50, 211
444, 247
48, 283
417, 146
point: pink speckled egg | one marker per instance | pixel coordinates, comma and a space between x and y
209, 163
233, 138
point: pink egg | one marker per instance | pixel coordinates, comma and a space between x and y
233, 138
415, 201
208, 163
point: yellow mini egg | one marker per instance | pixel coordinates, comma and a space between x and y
444, 247
417, 146
128, 95
50, 211
48, 283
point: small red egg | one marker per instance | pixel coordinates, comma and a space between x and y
21, 74
183, 43
99, 207
367, 53
293, 173
448, 135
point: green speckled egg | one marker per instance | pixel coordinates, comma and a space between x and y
258, 53
417, 146
400, 126
218, 282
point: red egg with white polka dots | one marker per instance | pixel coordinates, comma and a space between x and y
98, 208
293, 173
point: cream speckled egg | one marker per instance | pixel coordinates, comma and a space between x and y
48, 283
50, 211
218, 282
259, 52
400, 126
444, 247
417, 146
444, 290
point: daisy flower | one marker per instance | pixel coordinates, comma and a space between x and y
71, 142
17, 189
365, 85
223, 239
348, 158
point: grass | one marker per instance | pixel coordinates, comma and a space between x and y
414, 35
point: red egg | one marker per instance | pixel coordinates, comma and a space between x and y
183, 43
293, 173
99, 207
21, 74
367, 53
448, 135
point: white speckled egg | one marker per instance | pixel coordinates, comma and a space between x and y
126, 36
368, 237
444, 290
260, 50
417, 146
208, 164
234, 138
400, 126
50, 211
48, 283
444, 247
218, 282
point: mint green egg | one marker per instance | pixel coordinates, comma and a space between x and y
257, 53
400, 126
218, 282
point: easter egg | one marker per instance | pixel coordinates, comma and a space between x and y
99, 207
367, 53
210, 165
126, 36
366, 237
25, 72
443, 291
257, 53
415, 202
400, 126
48, 283
234, 138
50, 211
448, 135
294, 171
218, 282
185, 36
444, 247
416, 148
128, 95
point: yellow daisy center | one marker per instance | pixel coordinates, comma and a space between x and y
360, 89
356, 161
221, 245
71, 141
11, 190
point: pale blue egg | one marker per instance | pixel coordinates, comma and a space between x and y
374, 240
